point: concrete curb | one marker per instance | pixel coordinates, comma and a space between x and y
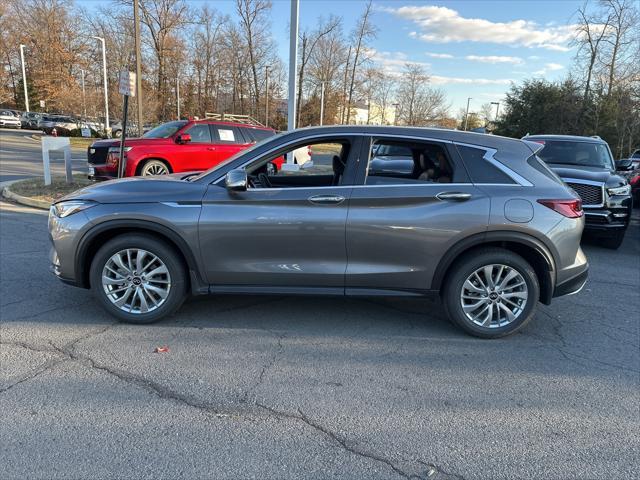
29, 202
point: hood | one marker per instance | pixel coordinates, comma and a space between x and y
161, 188
132, 142
592, 174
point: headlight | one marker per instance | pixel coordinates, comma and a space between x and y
64, 209
624, 190
117, 149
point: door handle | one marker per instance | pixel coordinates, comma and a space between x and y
326, 199
454, 196
211, 148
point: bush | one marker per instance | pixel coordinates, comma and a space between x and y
77, 132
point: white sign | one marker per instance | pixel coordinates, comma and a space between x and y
41, 103
86, 132
52, 144
226, 135
127, 85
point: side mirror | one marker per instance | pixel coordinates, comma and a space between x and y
272, 168
624, 165
184, 138
236, 180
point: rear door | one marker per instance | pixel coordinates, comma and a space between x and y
399, 226
228, 140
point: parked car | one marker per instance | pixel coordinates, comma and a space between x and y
30, 119
63, 124
635, 159
587, 166
500, 235
634, 181
178, 146
132, 129
8, 119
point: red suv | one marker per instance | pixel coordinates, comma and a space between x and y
179, 146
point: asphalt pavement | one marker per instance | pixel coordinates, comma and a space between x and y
21, 156
282, 387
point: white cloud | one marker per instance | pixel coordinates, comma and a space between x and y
439, 55
494, 59
445, 25
392, 62
439, 80
549, 67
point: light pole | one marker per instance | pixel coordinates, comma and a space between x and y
84, 103
104, 75
466, 115
395, 113
293, 66
266, 96
497, 104
24, 79
321, 103
178, 94
136, 31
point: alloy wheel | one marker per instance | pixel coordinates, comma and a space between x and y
155, 168
136, 281
494, 296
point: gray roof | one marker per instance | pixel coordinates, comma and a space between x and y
571, 138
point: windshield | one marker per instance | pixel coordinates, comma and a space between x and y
237, 155
165, 130
584, 154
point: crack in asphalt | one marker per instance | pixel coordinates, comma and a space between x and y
265, 368
341, 442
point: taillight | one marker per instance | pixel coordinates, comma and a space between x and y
568, 208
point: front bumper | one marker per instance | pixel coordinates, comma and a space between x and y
64, 234
102, 172
615, 215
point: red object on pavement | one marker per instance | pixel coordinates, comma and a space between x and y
161, 349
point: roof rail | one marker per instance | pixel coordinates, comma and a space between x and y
597, 137
232, 117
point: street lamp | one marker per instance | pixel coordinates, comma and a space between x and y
497, 104
266, 96
24, 79
104, 74
466, 115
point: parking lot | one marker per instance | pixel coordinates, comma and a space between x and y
286, 387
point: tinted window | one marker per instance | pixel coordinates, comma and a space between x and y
257, 134
165, 130
584, 154
392, 162
480, 170
200, 133
541, 167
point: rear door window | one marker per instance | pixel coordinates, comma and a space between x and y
228, 134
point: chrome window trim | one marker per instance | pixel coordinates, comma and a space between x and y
489, 157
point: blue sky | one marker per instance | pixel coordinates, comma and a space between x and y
470, 48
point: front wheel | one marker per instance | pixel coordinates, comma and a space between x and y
138, 279
154, 167
491, 293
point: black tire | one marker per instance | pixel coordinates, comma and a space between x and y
469, 263
171, 259
614, 240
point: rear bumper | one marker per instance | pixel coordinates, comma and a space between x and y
573, 285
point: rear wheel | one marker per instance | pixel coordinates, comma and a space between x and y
491, 293
614, 241
138, 279
154, 167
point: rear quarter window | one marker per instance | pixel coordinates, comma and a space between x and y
480, 170
257, 134
535, 162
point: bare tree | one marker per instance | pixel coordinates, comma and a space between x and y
363, 32
419, 103
623, 32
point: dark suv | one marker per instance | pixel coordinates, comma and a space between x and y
477, 219
587, 166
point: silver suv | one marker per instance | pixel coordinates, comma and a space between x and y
389, 211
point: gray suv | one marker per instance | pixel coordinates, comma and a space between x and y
477, 219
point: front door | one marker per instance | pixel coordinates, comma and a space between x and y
286, 230
196, 154
413, 203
